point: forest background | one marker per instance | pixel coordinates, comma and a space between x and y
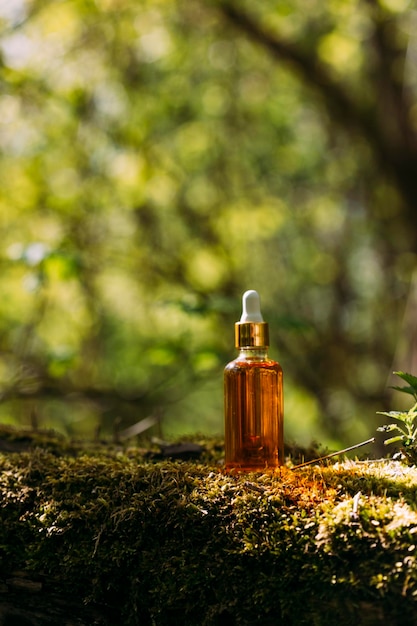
158, 158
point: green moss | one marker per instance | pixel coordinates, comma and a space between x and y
166, 542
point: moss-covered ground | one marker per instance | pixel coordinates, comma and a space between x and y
181, 542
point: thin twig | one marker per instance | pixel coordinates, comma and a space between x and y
328, 456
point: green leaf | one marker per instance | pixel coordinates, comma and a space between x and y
393, 440
387, 428
398, 415
408, 378
409, 390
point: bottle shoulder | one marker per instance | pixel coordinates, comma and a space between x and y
249, 363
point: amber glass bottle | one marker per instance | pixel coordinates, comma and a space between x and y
253, 396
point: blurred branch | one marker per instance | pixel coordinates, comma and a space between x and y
396, 151
50, 389
306, 64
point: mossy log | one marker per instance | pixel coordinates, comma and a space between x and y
112, 537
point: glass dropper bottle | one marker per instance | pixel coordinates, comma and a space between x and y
253, 396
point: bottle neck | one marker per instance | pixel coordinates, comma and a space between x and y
251, 353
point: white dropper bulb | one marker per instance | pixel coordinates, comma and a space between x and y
251, 307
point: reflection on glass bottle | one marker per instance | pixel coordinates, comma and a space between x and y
253, 393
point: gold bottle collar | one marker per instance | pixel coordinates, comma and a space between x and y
251, 334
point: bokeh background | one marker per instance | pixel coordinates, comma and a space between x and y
158, 158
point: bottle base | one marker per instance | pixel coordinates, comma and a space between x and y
236, 468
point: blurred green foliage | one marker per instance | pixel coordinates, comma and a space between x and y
158, 159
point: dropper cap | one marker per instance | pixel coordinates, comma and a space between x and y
251, 331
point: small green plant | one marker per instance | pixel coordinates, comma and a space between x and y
406, 422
